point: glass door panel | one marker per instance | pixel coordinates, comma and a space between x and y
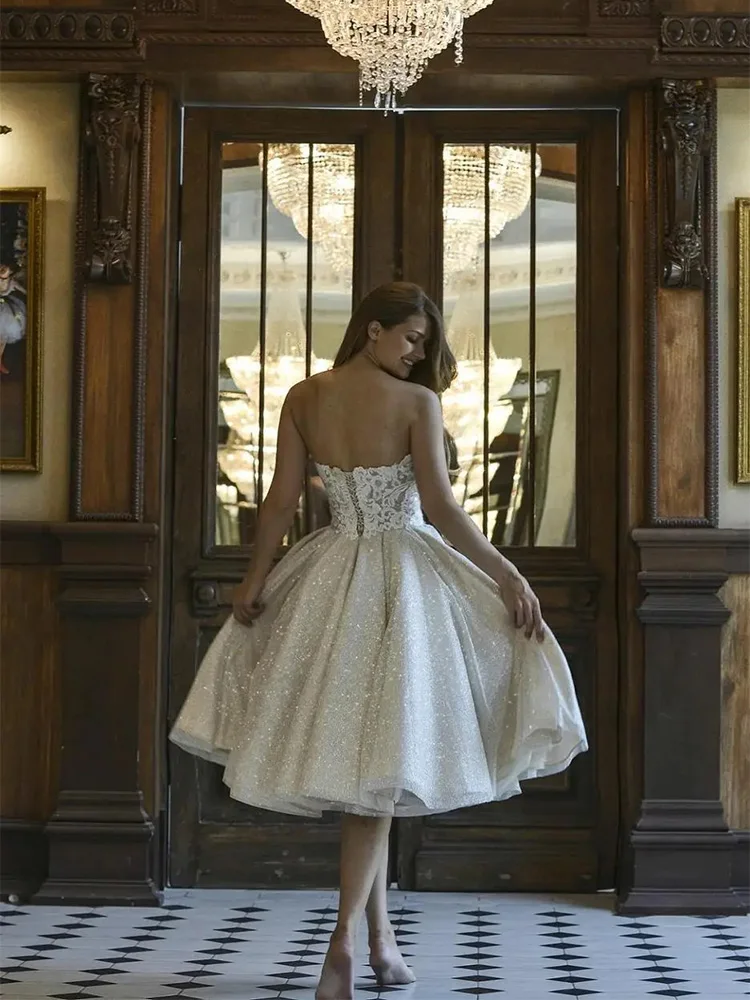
509, 249
287, 265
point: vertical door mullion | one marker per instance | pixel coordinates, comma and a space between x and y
262, 320
486, 346
531, 463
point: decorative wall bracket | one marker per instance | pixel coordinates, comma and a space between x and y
685, 134
112, 137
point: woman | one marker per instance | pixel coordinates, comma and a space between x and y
376, 670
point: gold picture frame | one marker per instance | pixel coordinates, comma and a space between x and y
743, 339
22, 212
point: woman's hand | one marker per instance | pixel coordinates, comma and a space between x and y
522, 603
246, 605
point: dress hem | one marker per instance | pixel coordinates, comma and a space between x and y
295, 805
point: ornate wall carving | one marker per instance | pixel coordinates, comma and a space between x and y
170, 6
705, 34
22, 26
625, 8
686, 140
112, 138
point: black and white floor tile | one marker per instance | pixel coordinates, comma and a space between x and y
231, 945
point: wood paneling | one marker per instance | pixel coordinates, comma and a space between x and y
108, 400
29, 701
681, 383
735, 704
29, 692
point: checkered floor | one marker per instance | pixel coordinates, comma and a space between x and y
229, 945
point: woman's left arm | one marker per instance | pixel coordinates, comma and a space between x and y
276, 513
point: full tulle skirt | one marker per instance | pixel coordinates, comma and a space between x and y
384, 677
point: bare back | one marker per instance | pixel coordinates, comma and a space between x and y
355, 415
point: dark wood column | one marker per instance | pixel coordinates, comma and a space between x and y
681, 847
678, 856
100, 833
102, 843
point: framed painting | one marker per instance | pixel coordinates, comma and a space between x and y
21, 300
743, 340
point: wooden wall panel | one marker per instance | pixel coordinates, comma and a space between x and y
735, 691
29, 692
706, 6
108, 400
681, 387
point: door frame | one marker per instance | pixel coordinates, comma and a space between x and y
202, 589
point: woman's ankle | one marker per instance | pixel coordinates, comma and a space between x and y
381, 932
344, 934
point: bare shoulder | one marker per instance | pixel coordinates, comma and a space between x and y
303, 390
421, 399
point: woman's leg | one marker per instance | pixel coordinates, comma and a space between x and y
385, 957
362, 844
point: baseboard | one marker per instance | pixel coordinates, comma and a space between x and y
24, 858
741, 865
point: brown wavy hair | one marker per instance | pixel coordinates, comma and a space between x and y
390, 305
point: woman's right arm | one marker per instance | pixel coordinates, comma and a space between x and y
431, 471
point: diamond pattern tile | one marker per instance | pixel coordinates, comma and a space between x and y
258, 945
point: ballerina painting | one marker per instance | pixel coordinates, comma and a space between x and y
21, 261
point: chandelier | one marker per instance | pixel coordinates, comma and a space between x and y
463, 196
283, 366
392, 40
464, 402
333, 197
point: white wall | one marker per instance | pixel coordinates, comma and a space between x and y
42, 151
733, 182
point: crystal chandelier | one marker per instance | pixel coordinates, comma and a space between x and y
392, 40
463, 196
283, 367
333, 198
464, 402
464, 183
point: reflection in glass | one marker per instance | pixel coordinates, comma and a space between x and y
509, 302
286, 288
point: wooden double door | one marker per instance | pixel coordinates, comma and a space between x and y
509, 220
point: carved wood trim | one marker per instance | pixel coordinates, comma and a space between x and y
684, 131
682, 252
705, 33
112, 135
112, 247
625, 8
173, 8
21, 26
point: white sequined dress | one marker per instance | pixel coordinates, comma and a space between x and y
384, 676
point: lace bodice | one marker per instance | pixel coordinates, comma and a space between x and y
367, 501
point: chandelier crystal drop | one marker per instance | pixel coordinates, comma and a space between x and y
392, 40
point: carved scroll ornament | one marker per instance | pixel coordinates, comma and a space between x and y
113, 135
686, 143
